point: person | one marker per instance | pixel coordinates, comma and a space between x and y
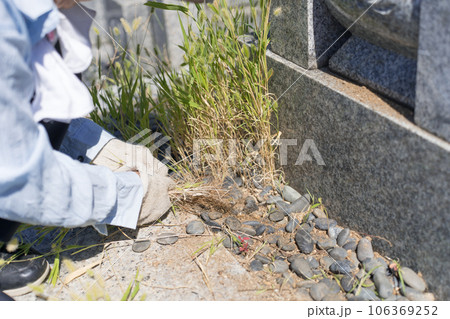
58, 168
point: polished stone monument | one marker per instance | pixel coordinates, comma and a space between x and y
376, 104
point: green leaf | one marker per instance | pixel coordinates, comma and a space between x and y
165, 6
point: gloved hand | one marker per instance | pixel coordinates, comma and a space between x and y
120, 156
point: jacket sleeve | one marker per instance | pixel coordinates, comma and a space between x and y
37, 184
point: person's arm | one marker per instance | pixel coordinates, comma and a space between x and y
39, 185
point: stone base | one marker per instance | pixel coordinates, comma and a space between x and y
384, 71
383, 175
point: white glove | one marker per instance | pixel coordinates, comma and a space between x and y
120, 156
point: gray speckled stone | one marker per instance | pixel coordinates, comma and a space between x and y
167, 239
350, 245
326, 243
304, 242
338, 253
415, 295
274, 199
326, 262
332, 285
302, 294
342, 267
263, 259
276, 216
289, 194
247, 230
233, 223
319, 291
334, 231
313, 263
432, 110
324, 223
256, 265
300, 266
140, 246
343, 237
380, 69
214, 215
319, 213
383, 284
376, 159
302, 31
347, 283
364, 250
279, 266
250, 204
412, 279
298, 206
291, 225
195, 227
260, 230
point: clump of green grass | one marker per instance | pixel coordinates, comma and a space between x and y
219, 103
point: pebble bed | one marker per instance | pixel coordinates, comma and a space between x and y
278, 234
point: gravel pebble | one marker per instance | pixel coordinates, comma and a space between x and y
290, 194
364, 250
350, 245
299, 205
167, 239
326, 243
300, 266
273, 199
302, 294
248, 230
338, 253
324, 223
319, 213
263, 259
318, 291
214, 215
334, 231
214, 226
195, 227
140, 246
270, 230
250, 204
233, 223
279, 266
313, 263
260, 230
273, 239
283, 207
383, 285
291, 225
227, 242
374, 265
254, 223
332, 285
304, 242
256, 265
415, 295
265, 250
347, 283
342, 267
343, 237
412, 279
276, 216
326, 262
352, 257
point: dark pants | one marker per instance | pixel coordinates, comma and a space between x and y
56, 131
